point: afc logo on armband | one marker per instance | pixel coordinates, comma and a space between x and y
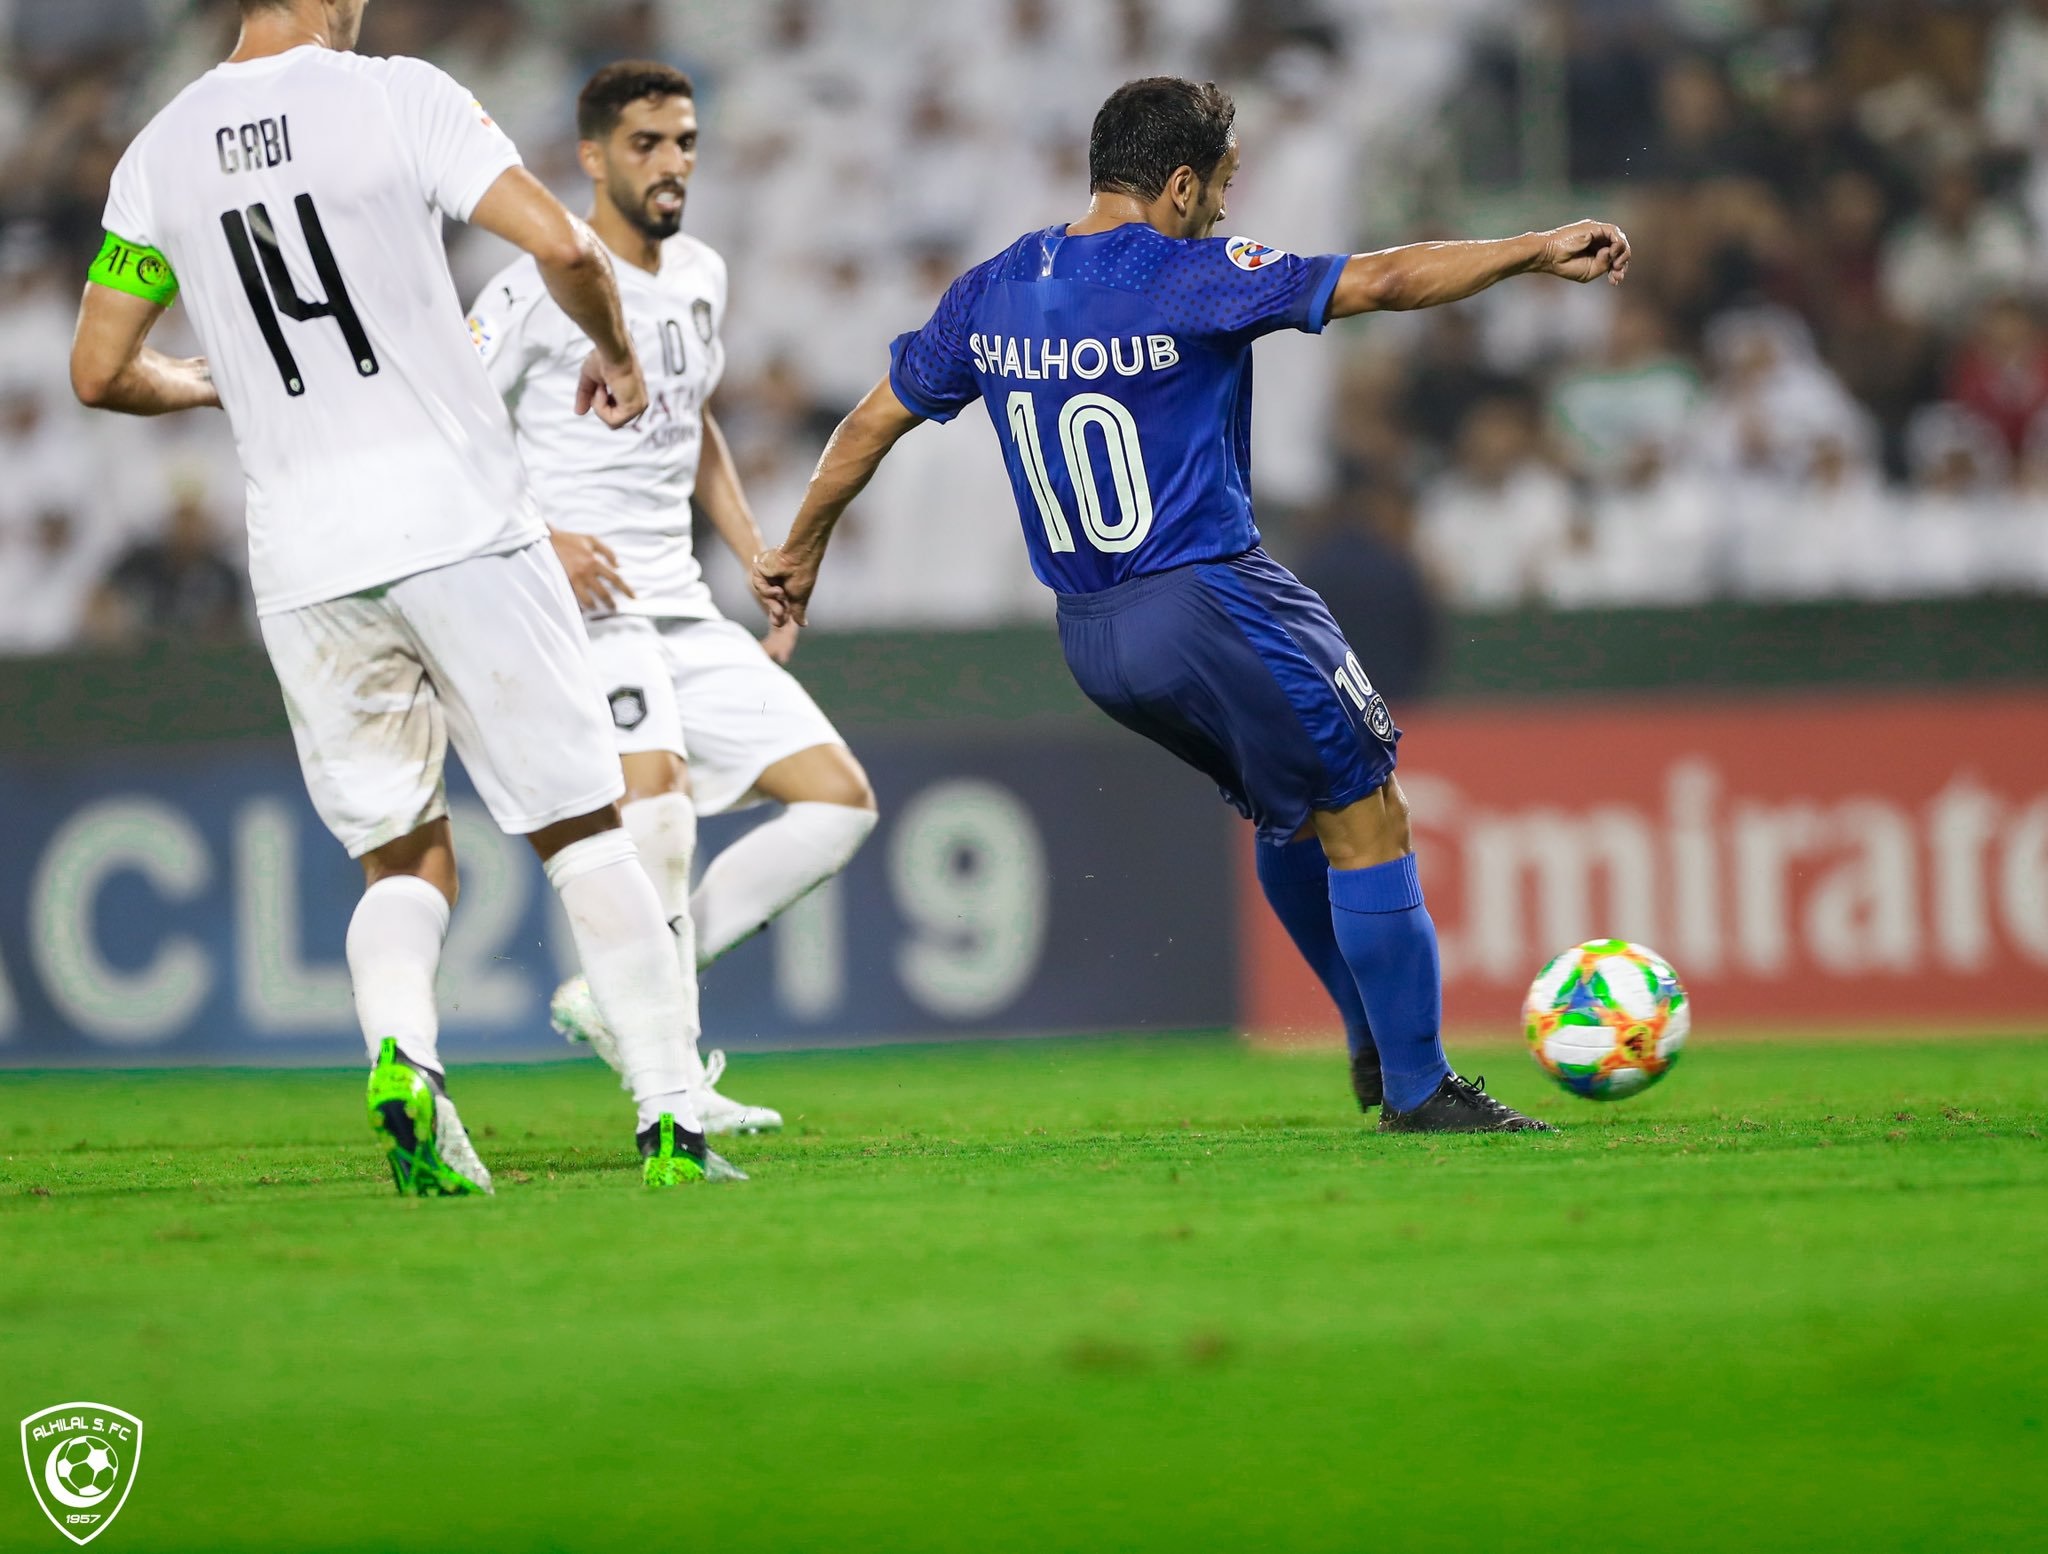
1250, 254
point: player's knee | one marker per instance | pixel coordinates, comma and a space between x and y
1372, 831
1397, 830
823, 774
428, 854
444, 878
651, 773
849, 787
549, 840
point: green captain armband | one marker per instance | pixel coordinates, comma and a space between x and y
141, 272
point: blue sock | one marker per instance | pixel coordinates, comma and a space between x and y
1296, 879
1390, 944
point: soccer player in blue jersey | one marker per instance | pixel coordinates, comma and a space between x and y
1115, 356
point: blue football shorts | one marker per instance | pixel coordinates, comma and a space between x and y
1237, 668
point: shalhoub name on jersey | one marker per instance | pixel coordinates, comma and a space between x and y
1109, 361
1009, 357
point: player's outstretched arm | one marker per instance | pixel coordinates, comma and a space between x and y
784, 575
722, 499
1426, 275
578, 273
112, 369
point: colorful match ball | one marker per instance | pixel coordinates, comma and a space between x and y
1606, 1019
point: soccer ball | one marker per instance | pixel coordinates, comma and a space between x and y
87, 1465
1606, 1019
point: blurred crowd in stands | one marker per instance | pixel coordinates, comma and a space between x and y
1826, 378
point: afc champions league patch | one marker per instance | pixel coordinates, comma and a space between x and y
1250, 254
629, 706
700, 315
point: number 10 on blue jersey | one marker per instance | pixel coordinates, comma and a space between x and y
1078, 417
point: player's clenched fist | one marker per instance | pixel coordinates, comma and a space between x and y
615, 390
1585, 251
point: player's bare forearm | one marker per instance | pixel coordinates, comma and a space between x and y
1427, 275
721, 498
112, 369
784, 576
573, 262
156, 384
587, 290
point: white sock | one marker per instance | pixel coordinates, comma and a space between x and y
772, 867
394, 949
629, 956
664, 828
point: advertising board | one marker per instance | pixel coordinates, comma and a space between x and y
186, 905
1857, 860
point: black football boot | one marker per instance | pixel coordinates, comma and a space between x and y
1365, 1078
1460, 1106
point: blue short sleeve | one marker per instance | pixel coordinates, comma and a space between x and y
1239, 287
932, 370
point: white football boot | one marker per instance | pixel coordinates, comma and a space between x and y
574, 1012
721, 1113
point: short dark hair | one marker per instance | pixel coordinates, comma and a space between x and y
1150, 128
606, 95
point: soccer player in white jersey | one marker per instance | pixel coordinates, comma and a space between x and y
704, 717
293, 196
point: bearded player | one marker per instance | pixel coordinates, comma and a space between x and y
1115, 354
705, 719
292, 198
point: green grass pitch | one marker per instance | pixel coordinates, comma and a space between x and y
1158, 1293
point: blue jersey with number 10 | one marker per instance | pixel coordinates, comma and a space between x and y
1117, 367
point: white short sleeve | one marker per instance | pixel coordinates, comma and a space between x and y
508, 325
127, 215
460, 151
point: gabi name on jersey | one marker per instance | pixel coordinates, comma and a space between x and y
249, 148
1006, 356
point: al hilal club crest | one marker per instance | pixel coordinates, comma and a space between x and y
81, 1460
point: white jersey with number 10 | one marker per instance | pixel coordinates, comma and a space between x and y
632, 489
299, 200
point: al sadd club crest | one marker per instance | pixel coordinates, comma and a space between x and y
81, 1460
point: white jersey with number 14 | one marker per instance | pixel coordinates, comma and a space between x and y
299, 200
630, 488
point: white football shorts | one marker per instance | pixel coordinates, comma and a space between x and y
489, 653
706, 690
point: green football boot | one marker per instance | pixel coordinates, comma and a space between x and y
574, 1013
671, 1155
428, 1147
